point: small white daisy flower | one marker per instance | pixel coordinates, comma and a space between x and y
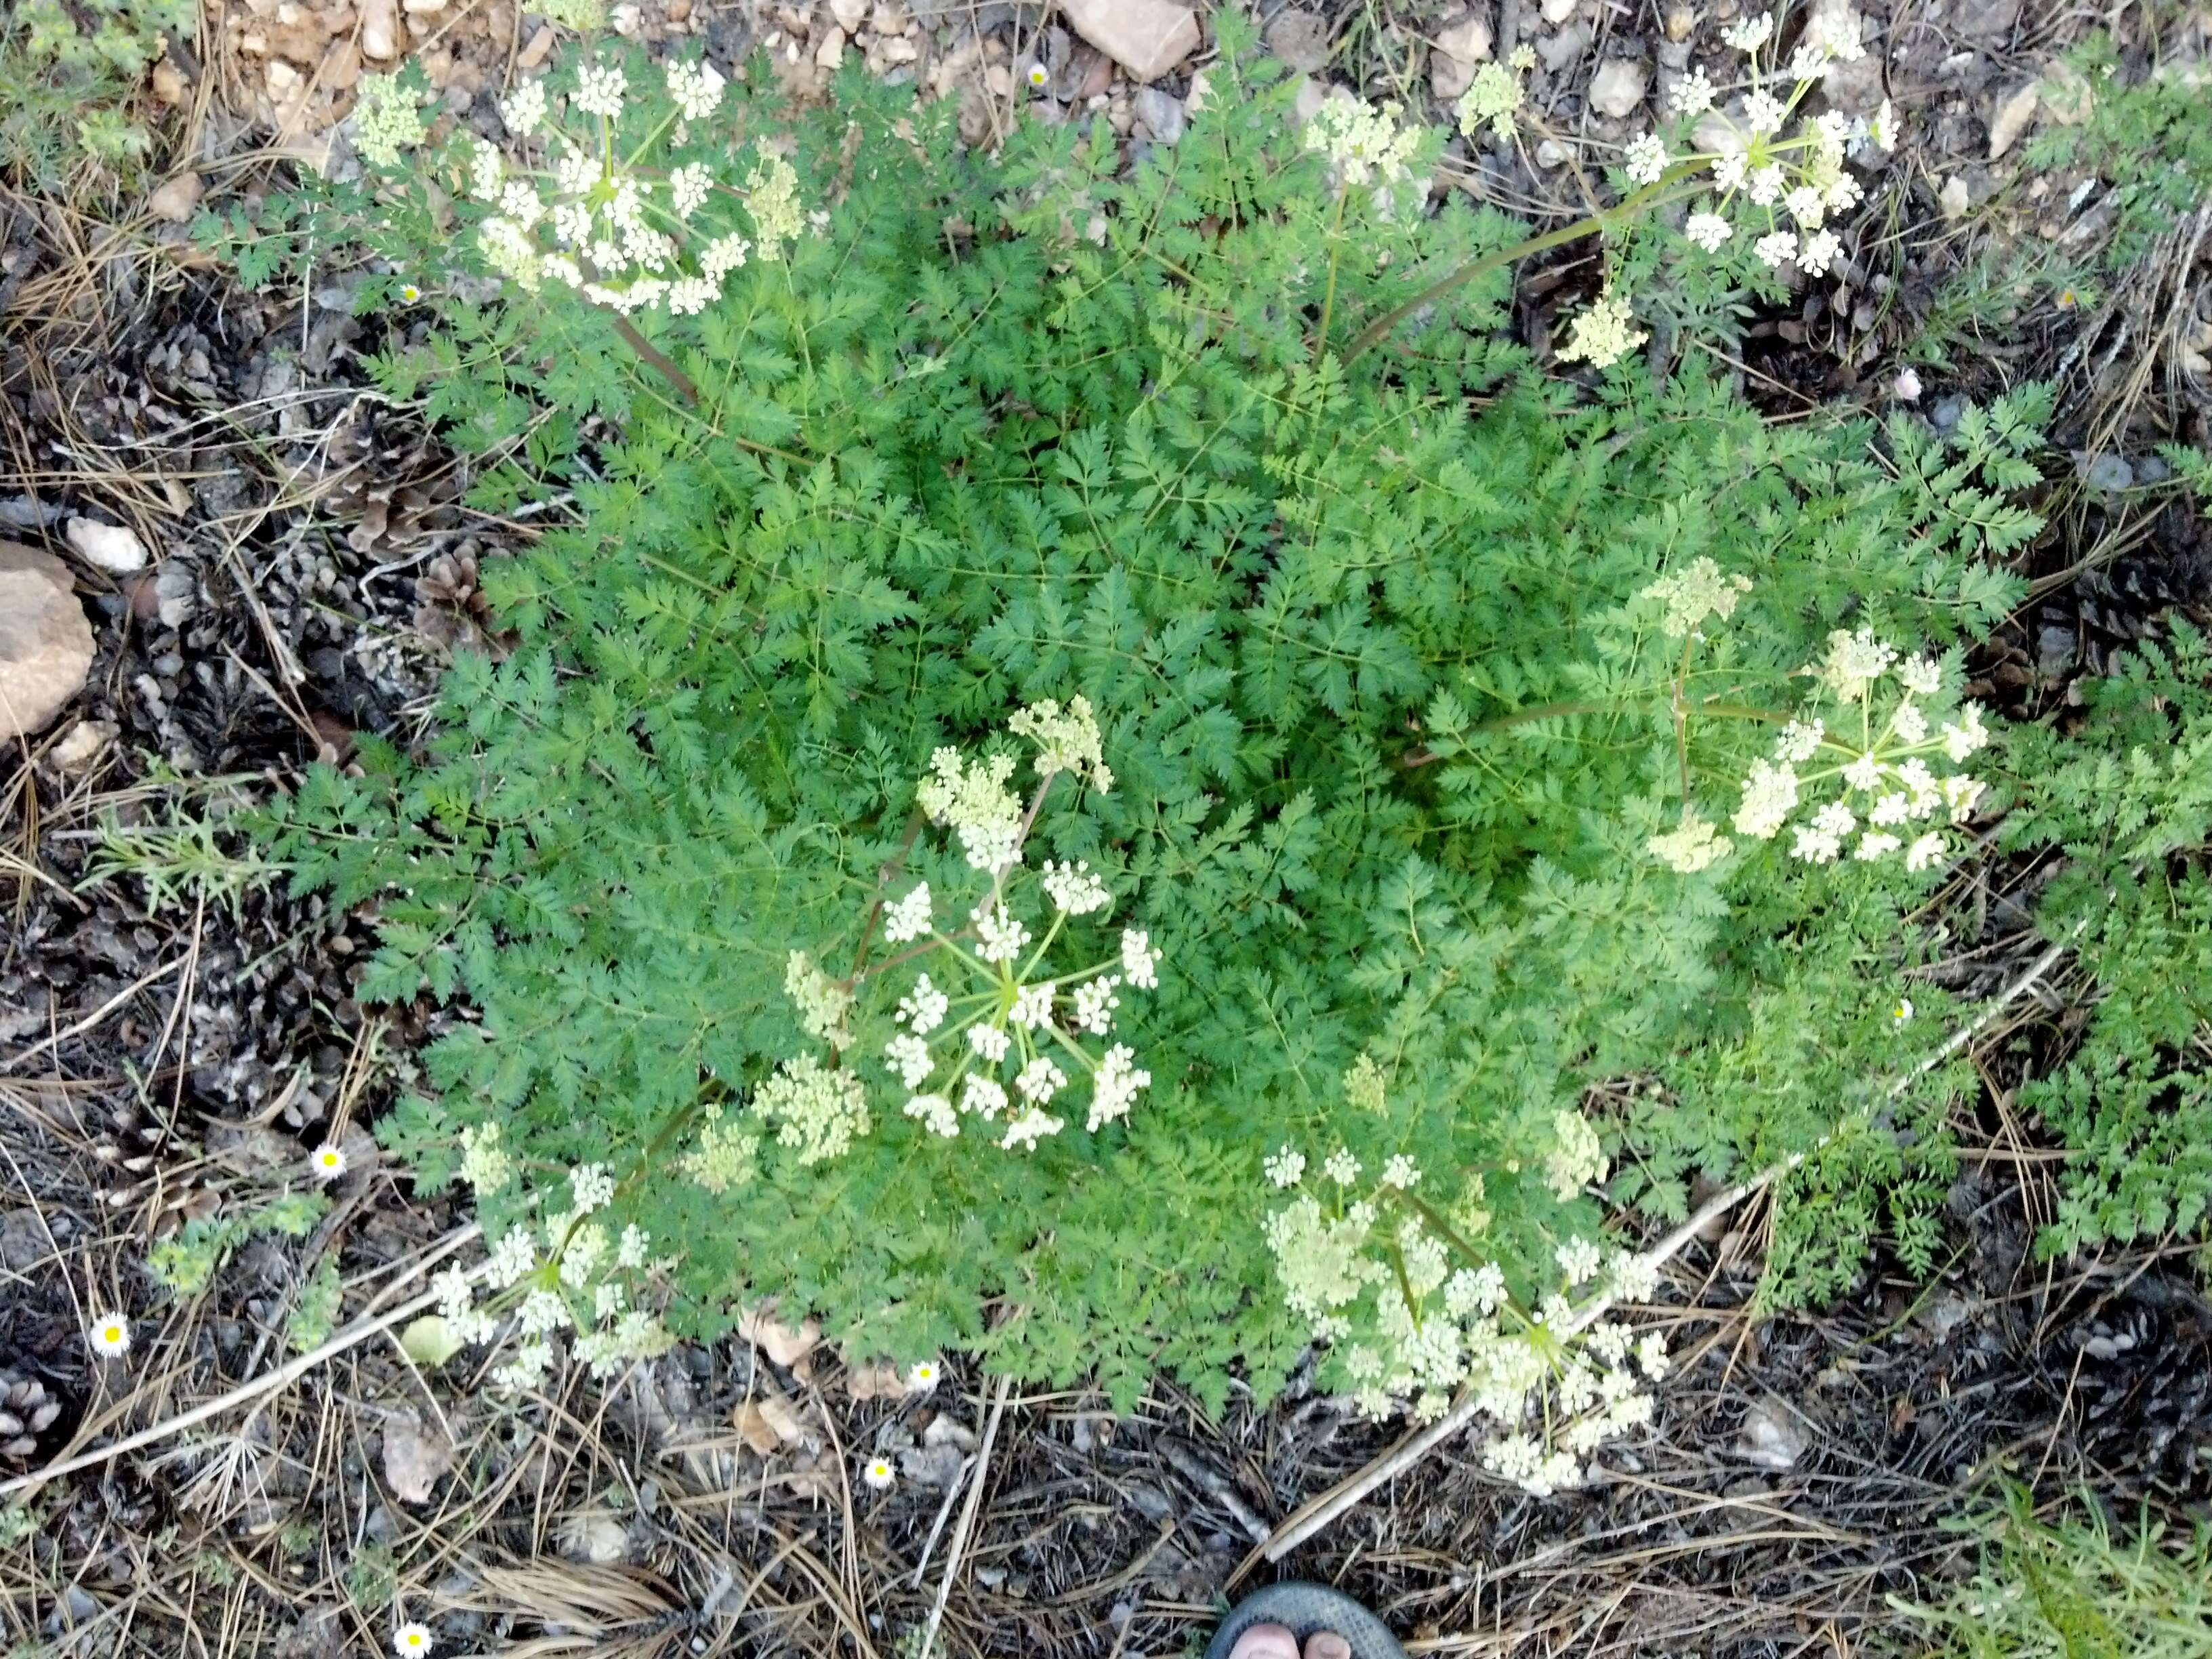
328, 1161
110, 1336
411, 1639
878, 1475
923, 1375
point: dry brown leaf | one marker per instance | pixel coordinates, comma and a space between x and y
414, 1459
880, 1381
769, 1423
782, 1344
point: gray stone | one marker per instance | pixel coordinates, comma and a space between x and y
45, 643
1564, 47
2105, 471
1461, 45
1147, 38
1618, 86
1298, 40
1161, 112
2010, 116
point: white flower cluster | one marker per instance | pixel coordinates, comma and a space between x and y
1493, 98
1368, 148
385, 121
571, 1275
817, 1111
1779, 190
1603, 332
1374, 1275
588, 219
1004, 1034
1890, 794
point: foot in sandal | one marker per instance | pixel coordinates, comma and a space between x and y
1302, 1621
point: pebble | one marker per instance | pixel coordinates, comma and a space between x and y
2010, 116
1162, 113
1955, 198
2105, 471
1618, 86
112, 547
45, 643
1772, 1437
1564, 47
1558, 11
379, 30
175, 200
1147, 38
849, 14
1460, 46
1298, 40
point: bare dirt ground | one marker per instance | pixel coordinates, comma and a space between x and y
175, 1032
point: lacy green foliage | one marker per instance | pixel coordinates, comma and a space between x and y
67, 72
2128, 797
2149, 140
2069, 1589
1389, 726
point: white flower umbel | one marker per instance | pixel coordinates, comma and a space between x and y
1368, 149
1863, 769
1019, 1029
1603, 332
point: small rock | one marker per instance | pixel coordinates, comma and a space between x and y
81, 745
379, 30
1955, 198
1299, 40
597, 1538
1948, 412
2067, 96
2105, 471
176, 199
1771, 1438
1618, 86
1561, 50
2010, 116
112, 547
1162, 113
539, 49
1549, 155
170, 85
413, 1460
1558, 11
1307, 103
831, 51
1460, 46
1147, 38
849, 14
422, 8
1681, 23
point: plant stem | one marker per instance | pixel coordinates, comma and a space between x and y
1329, 298
1654, 195
653, 358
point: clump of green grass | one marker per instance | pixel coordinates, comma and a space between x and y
2070, 1588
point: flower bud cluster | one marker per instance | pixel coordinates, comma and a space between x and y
1382, 1278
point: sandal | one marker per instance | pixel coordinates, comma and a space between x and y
1304, 1609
